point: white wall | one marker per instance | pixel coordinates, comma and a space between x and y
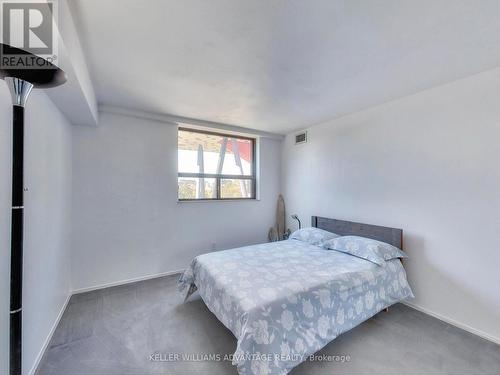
47, 264
428, 164
127, 222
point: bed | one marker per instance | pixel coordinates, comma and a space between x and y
285, 300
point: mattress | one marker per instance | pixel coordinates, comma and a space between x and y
286, 300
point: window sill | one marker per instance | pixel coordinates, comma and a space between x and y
217, 200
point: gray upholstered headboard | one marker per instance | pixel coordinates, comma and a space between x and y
392, 236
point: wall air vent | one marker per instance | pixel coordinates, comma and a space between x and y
300, 138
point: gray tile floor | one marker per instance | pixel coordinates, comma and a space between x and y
115, 330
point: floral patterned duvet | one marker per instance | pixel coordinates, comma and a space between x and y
286, 300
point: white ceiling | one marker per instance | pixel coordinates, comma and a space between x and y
279, 65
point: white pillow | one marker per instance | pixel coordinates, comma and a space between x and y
375, 251
313, 236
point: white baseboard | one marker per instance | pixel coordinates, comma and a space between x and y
39, 357
453, 322
126, 281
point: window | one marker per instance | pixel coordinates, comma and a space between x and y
213, 166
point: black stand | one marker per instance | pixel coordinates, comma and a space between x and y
16, 264
20, 82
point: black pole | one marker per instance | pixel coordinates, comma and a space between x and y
16, 262
20, 81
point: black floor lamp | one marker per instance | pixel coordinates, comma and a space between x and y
21, 81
